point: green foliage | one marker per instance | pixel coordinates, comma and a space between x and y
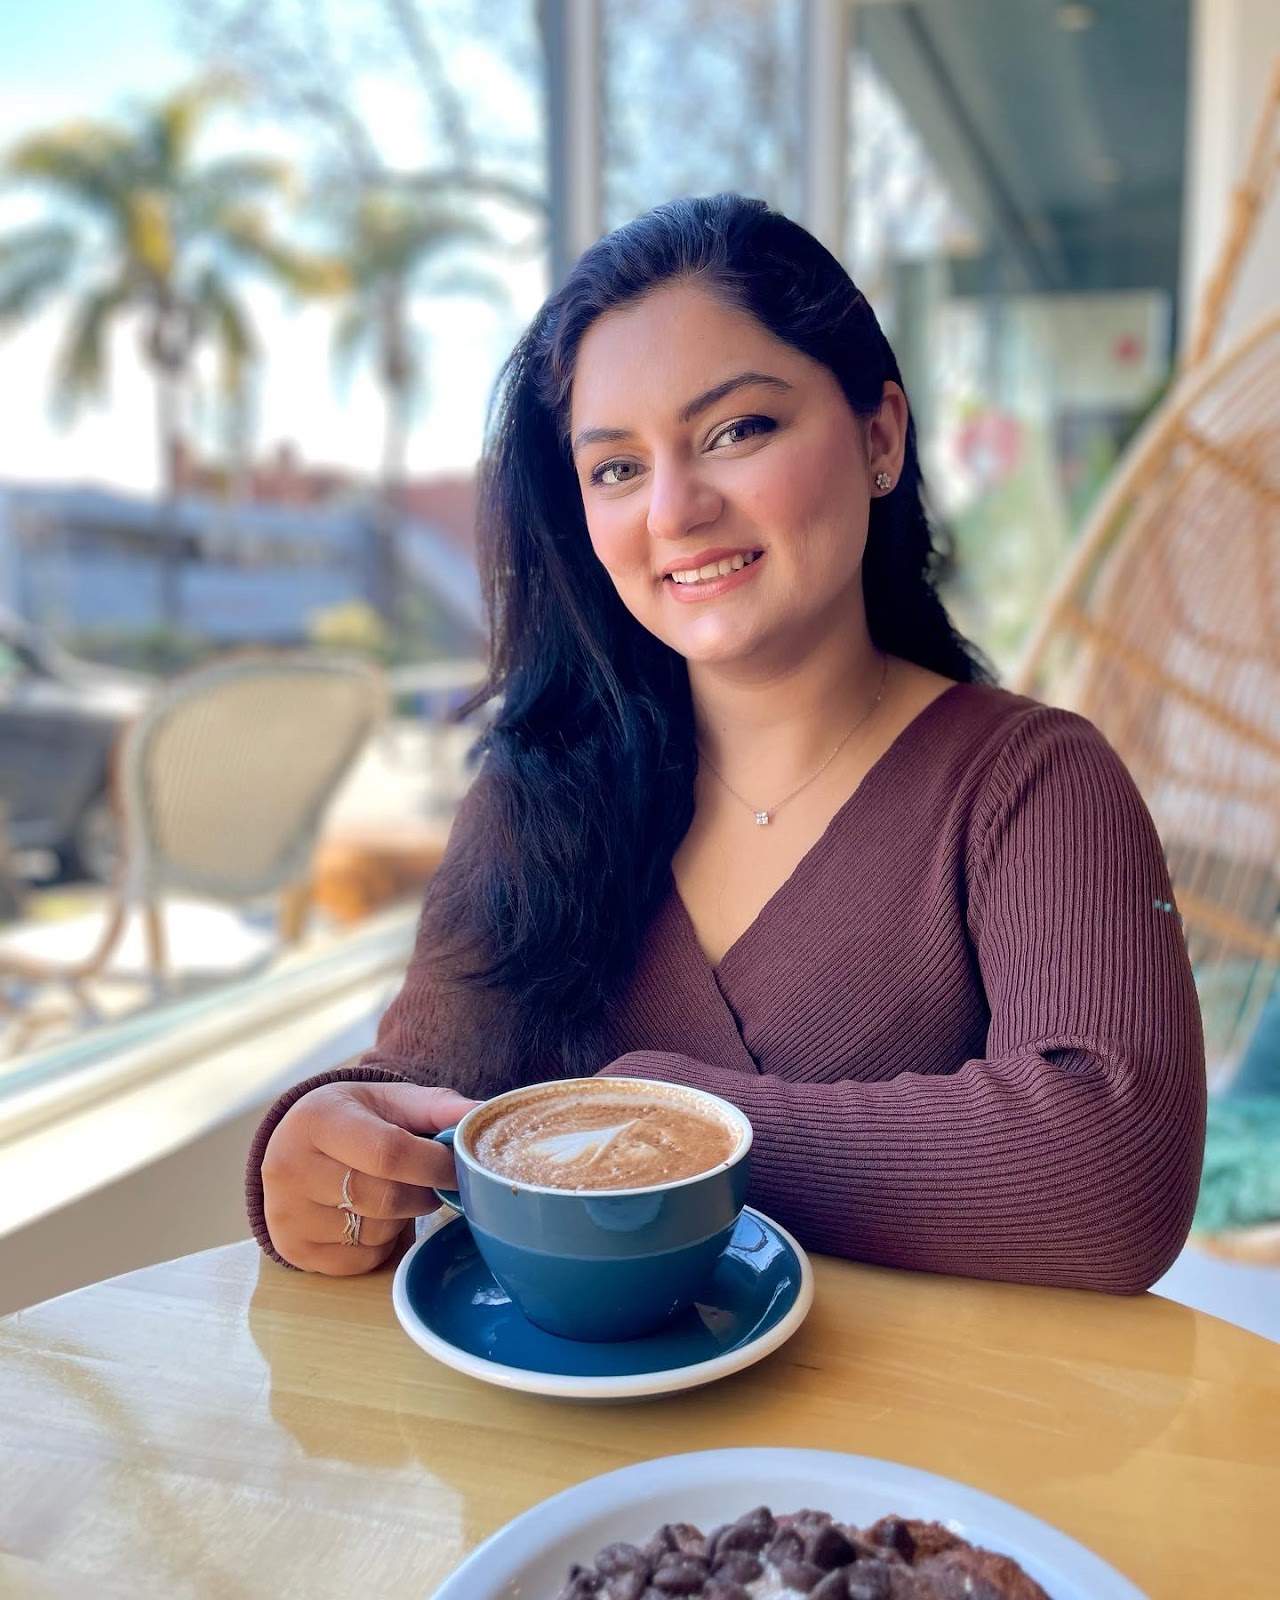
34, 265
429, 631
356, 628
425, 630
396, 245
81, 370
1240, 1182
160, 650
142, 227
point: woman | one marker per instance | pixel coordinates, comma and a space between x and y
753, 818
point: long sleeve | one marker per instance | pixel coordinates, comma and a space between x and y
1069, 1152
437, 1031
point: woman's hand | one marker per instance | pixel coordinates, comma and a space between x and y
375, 1130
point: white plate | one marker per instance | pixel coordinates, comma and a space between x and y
530, 1558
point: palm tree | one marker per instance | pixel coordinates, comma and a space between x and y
396, 245
142, 230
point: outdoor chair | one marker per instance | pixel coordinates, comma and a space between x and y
1165, 632
1166, 635
220, 788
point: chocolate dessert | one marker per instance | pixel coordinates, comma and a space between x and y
809, 1553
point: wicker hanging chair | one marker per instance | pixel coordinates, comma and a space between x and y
1165, 632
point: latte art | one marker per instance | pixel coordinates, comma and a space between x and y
602, 1139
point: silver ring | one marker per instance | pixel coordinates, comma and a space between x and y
353, 1219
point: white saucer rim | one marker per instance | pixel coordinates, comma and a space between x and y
1058, 1555
571, 1386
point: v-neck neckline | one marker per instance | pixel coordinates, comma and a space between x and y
872, 774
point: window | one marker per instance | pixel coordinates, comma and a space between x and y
1016, 212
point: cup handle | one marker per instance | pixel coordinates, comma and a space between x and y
451, 1197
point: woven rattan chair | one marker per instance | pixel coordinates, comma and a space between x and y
1165, 632
221, 787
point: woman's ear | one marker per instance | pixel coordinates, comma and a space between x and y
887, 440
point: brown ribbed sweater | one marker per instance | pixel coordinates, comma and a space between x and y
965, 1029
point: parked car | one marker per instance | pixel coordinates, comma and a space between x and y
59, 720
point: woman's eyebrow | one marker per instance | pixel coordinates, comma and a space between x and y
694, 408
742, 380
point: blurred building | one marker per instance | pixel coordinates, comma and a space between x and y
89, 564
280, 479
445, 504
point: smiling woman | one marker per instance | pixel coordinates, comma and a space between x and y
792, 484
943, 982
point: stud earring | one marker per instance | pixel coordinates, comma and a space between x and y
883, 480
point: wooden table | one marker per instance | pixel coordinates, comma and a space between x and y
222, 1427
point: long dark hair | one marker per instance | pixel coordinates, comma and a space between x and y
588, 776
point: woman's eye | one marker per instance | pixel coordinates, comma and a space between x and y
613, 473
743, 429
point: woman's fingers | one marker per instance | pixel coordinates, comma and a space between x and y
374, 1130
325, 1251
361, 1126
376, 1197
415, 1108
374, 1231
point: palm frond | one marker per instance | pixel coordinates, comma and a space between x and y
176, 122
35, 263
218, 310
392, 234
81, 370
234, 181
172, 221
86, 162
472, 282
441, 227
245, 230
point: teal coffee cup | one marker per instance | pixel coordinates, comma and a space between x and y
601, 1205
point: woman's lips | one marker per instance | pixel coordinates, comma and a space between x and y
690, 594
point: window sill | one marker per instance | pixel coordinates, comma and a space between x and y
86, 1113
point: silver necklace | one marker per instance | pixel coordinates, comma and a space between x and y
765, 817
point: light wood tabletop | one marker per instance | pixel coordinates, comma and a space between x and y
220, 1426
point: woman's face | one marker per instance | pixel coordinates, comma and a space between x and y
725, 478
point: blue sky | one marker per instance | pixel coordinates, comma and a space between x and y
61, 59
66, 58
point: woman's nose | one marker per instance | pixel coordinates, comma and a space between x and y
680, 501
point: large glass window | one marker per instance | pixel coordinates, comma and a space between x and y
1015, 179
1016, 182
700, 97
351, 207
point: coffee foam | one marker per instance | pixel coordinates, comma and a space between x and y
602, 1135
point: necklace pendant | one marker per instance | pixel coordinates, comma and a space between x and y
762, 819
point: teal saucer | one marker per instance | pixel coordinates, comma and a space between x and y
448, 1302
